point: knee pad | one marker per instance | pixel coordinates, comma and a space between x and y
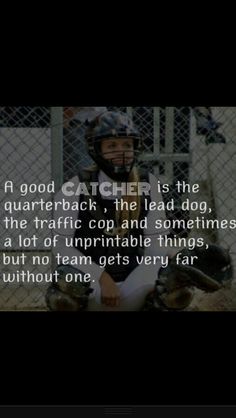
159, 300
59, 301
68, 294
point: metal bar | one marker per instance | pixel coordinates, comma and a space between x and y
156, 139
56, 155
169, 141
166, 157
130, 112
57, 146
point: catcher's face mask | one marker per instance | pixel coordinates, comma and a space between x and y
113, 143
118, 154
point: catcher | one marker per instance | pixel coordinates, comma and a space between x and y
114, 144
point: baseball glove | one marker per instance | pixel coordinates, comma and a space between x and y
210, 271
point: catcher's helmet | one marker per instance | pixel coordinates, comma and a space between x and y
112, 125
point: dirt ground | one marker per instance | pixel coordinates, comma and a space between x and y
223, 300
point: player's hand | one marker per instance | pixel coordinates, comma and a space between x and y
110, 294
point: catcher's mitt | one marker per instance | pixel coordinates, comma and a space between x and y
175, 283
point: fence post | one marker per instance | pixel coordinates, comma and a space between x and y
169, 143
156, 139
57, 146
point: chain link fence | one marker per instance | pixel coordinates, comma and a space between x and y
25, 141
195, 145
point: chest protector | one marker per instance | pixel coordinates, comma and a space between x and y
106, 210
